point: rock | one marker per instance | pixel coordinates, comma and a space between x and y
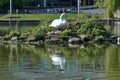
82, 37
53, 40
31, 39
57, 32
74, 40
53, 32
1, 38
36, 42
73, 45
50, 33
14, 38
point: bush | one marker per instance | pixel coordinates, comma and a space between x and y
14, 33
93, 29
11, 34
39, 31
86, 28
7, 37
74, 26
66, 33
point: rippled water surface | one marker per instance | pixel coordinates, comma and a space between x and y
59, 62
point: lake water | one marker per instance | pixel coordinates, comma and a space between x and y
81, 62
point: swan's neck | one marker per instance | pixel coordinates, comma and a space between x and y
61, 65
62, 15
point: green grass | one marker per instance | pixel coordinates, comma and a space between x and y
49, 16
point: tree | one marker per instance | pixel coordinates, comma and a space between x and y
17, 4
4, 5
111, 7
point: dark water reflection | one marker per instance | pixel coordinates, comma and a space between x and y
85, 62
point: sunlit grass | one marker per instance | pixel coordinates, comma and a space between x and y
50, 16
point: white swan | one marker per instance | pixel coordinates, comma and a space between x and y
58, 60
57, 23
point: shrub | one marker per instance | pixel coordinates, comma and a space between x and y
40, 31
74, 26
11, 34
14, 33
66, 33
93, 29
7, 37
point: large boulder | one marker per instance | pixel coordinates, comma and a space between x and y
74, 40
14, 38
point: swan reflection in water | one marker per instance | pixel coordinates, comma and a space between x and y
58, 60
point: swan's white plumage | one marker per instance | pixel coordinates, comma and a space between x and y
58, 22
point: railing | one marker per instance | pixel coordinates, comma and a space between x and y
53, 10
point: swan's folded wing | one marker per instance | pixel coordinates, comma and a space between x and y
56, 23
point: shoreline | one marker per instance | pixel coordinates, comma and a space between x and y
74, 41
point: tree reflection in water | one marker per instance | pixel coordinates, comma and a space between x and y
23, 61
112, 62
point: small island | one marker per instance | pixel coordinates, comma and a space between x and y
85, 29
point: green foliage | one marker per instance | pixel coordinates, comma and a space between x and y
49, 17
86, 28
14, 33
73, 26
66, 33
17, 4
4, 4
25, 34
99, 4
99, 38
111, 7
7, 37
41, 30
93, 29
11, 34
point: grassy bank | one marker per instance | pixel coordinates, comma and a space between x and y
51, 16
